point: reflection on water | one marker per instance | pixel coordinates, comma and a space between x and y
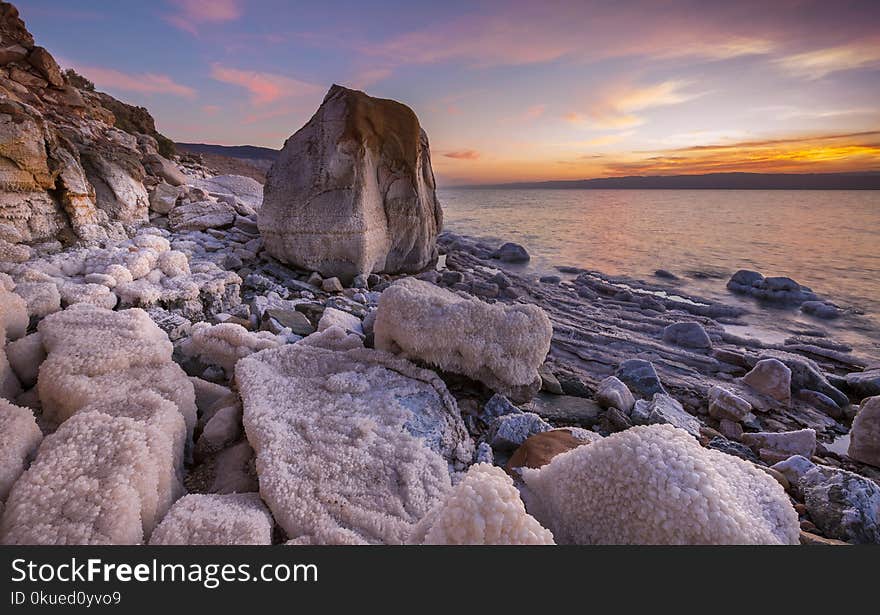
827, 240
839, 445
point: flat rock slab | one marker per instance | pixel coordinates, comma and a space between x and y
566, 409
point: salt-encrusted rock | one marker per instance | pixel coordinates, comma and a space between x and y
94, 481
509, 431
664, 409
353, 191
864, 443
773, 447
234, 470
483, 509
19, 439
687, 334
612, 393
225, 343
864, 384
725, 405
166, 434
842, 504
771, 377
538, 450
173, 324
206, 519
500, 345
42, 298
97, 355
13, 314
333, 317
25, 356
201, 215
221, 429
657, 485
353, 445
641, 379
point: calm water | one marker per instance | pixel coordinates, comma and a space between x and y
827, 240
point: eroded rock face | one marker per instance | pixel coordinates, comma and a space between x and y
353, 191
71, 159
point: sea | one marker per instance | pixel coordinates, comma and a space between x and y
826, 240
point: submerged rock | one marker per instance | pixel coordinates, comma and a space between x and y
353, 191
778, 289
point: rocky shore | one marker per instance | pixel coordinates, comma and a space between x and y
186, 362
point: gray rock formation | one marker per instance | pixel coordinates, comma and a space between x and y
353, 191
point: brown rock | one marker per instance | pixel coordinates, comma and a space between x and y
46, 65
27, 79
12, 53
808, 538
538, 450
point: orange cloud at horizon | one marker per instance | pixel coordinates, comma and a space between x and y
798, 154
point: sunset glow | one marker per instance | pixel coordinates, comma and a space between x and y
507, 91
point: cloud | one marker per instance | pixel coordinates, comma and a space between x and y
614, 108
465, 154
526, 33
534, 112
820, 63
805, 153
367, 77
191, 13
264, 88
145, 83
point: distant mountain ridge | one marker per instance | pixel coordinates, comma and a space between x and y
868, 180
249, 152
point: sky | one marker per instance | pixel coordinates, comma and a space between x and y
506, 91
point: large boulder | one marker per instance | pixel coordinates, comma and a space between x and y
353, 191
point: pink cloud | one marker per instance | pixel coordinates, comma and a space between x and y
145, 83
534, 112
465, 154
191, 13
264, 88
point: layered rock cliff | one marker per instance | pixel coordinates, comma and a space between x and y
75, 164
